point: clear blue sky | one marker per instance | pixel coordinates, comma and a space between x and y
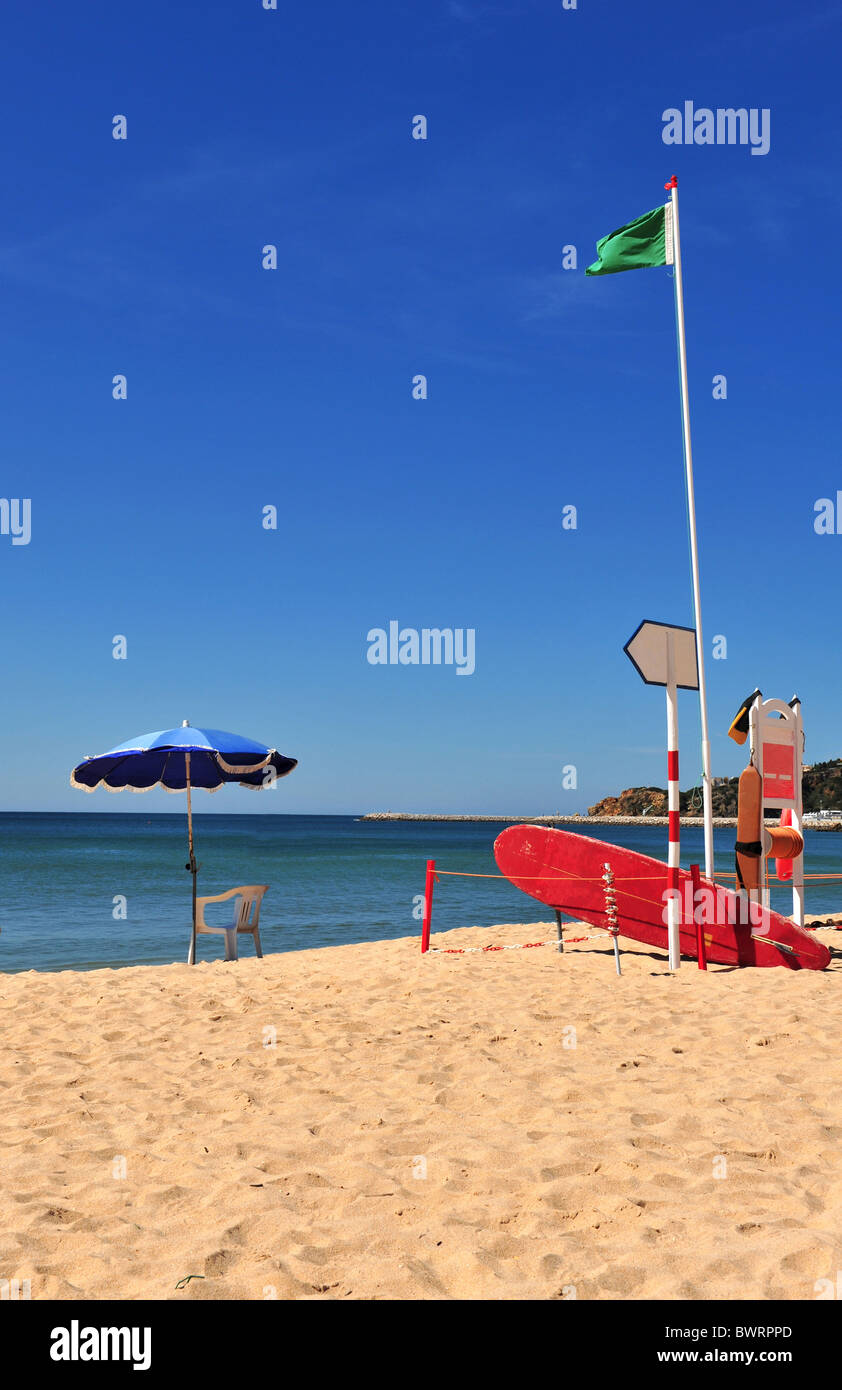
292, 387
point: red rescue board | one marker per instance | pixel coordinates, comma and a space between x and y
565, 871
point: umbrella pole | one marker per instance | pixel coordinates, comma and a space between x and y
192, 866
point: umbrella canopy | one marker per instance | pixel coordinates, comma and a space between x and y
160, 759
179, 760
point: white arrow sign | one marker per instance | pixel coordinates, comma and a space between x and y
647, 650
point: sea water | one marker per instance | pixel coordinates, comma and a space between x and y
81, 891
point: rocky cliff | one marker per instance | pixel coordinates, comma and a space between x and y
822, 791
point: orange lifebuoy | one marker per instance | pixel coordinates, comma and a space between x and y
787, 845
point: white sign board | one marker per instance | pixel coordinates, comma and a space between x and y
647, 651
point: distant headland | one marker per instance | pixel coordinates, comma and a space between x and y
822, 788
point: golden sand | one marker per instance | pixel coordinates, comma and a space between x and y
362, 1122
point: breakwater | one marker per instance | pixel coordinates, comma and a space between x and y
581, 822
578, 822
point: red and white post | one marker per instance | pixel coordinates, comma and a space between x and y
664, 654
701, 949
673, 807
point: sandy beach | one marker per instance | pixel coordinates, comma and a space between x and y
361, 1122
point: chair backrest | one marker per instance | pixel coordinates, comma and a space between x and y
247, 900
247, 905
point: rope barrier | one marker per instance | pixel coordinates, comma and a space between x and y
564, 877
468, 950
516, 946
621, 878
569, 878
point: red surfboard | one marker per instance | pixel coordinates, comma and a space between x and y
565, 871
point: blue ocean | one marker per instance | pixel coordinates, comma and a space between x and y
66, 880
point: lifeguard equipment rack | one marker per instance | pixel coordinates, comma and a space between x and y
776, 734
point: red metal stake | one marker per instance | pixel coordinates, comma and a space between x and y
700, 930
428, 905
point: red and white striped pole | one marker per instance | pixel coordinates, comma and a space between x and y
701, 949
428, 906
673, 807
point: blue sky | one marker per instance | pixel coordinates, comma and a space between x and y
293, 388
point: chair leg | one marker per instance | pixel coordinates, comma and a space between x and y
230, 943
257, 946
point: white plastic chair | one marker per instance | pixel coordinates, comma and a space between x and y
246, 917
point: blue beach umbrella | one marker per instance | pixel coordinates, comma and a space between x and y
179, 760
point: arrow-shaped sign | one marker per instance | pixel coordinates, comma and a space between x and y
647, 651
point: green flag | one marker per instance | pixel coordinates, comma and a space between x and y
645, 241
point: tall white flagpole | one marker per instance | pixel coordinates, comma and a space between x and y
691, 509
